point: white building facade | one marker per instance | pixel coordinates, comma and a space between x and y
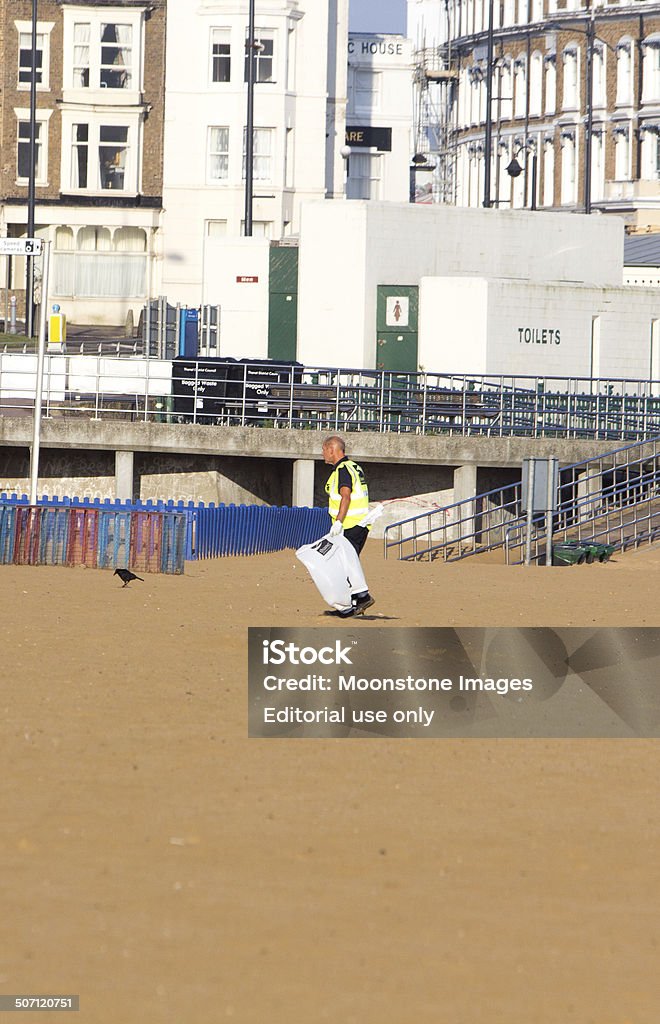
379, 117
299, 125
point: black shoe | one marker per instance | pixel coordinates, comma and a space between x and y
362, 602
343, 613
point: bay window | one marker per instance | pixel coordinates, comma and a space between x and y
264, 54
102, 156
102, 53
262, 154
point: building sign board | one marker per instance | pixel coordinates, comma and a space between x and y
21, 246
539, 335
397, 311
368, 46
367, 136
247, 279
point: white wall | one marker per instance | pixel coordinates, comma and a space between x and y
332, 297
453, 324
243, 304
347, 250
294, 105
514, 327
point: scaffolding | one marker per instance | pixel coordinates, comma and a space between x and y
435, 83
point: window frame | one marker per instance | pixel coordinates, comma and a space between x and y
43, 116
549, 162
375, 160
44, 28
622, 152
569, 181
375, 78
261, 36
650, 141
599, 73
651, 69
570, 54
96, 121
625, 72
210, 153
219, 35
260, 132
550, 84
520, 87
536, 70
107, 67
95, 92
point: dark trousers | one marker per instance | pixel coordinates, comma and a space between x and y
357, 535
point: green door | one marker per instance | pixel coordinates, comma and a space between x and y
396, 325
283, 302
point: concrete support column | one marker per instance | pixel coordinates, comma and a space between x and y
465, 487
303, 483
590, 484
124, 475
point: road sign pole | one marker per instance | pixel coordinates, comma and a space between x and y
39, 386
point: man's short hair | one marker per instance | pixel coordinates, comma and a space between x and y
335, 439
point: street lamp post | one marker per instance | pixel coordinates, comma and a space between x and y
249, 131
591, 35
32, 170
488, 137
514, 170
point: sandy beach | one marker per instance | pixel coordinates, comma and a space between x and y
168, 869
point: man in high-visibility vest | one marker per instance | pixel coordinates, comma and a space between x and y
348, 503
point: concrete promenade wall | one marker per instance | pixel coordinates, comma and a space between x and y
258, 442
410, 473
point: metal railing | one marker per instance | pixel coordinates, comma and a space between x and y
249, 393
468, 527
612, 498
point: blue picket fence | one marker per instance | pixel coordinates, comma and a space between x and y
256, 529
213, 531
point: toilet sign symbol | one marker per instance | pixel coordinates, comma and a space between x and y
396, 311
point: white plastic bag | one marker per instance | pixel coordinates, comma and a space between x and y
334, 565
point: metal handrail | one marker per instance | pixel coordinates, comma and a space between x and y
491, 508
447, 403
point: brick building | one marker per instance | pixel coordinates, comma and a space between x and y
575, 102
99, 148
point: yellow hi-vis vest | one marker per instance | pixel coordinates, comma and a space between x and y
359, 505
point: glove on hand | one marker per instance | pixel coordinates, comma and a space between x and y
336, 528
